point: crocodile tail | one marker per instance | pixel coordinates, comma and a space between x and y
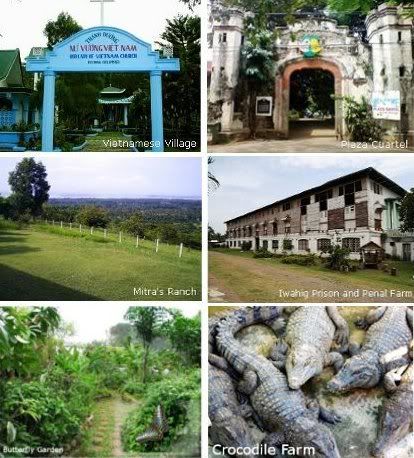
228, 346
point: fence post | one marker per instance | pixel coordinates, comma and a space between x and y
105, 233
137, 242
80, 228
91, 230
70, 225
120, 237
181, 250
156, 246
53, 222
61, 224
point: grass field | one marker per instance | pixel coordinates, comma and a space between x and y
49, 263
238, 277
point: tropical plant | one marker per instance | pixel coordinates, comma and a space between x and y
147, 323
30, 189
338, 257
361, 125
407, 212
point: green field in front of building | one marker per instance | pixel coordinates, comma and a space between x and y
44, 263
236, 276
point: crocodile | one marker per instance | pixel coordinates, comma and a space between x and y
228, 425
284, 413
390, 329
227, 416
396, 415
310, 334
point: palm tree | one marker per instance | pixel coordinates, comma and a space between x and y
213, 182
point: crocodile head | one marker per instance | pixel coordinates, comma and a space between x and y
360, 371
308, 432
302, 364
392, 429
232, 431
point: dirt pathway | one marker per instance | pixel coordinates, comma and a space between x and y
238, 279
121, 410
103, 439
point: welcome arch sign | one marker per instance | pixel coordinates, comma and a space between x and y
101, 50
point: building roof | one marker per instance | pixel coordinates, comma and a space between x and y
115, 101
369, 172
371, 246
11, 74
112, 90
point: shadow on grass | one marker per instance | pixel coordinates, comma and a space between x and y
9, 239
17, 286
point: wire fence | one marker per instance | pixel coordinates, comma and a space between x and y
116, 236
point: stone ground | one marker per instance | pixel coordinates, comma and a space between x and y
313, 138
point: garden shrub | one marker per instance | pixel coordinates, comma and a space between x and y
176, 394
338, 257
246, 246
39, 415
300, 259
262, 253
362, 127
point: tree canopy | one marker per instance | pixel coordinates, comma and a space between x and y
59, 30
30, 189
407, 212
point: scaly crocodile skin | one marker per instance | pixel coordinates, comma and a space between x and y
389, 333
278, 407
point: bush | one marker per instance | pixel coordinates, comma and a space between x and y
361, 125
262, 253
300, 260
338, 257
176, 394
287, 245
38, 414
246, 246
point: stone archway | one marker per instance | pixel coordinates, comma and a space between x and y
282, 92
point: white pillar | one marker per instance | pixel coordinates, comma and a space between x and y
181, 250
126, 115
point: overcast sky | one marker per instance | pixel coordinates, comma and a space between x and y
22, 21
93, 321
81, 175
251, 182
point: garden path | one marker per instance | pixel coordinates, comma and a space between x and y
103, 439
101, 142
121, 410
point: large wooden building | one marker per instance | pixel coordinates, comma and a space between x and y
350, 211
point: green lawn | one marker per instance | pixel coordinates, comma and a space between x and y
238, 277
97, 143
45, 263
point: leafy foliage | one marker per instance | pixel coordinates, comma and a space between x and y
407, 212
262, 253
362, 127
47, 390
178, 395
30, 189
185, 336
338, 257
93, 216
